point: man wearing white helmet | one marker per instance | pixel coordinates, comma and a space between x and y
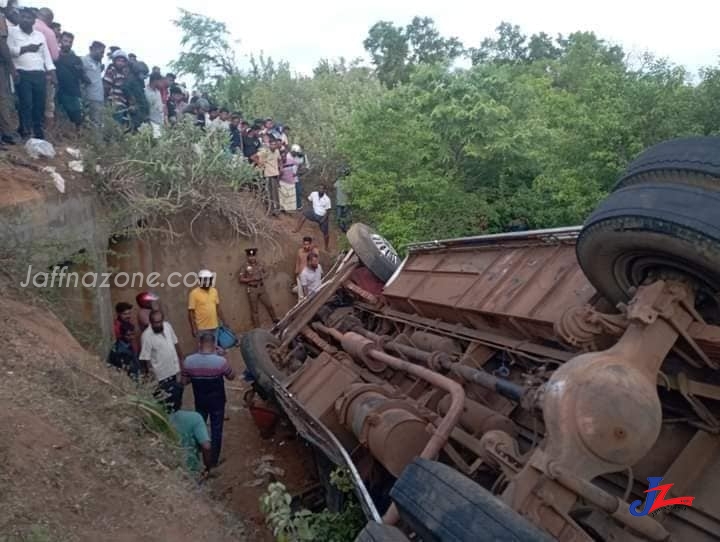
204, 311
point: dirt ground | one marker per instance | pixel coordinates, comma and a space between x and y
22, 178
241, 456
75, 464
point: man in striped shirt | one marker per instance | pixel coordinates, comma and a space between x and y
207, 371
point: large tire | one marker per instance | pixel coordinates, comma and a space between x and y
377, 532
374, 251
691, 161
651, 231
442, 505
254, 347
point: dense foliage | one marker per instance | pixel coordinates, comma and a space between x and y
535, 130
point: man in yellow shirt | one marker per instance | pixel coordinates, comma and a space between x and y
204, 305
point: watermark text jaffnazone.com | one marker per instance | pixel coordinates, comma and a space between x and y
60, 277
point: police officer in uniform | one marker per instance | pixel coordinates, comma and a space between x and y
252, 276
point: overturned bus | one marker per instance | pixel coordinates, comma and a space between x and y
553, 384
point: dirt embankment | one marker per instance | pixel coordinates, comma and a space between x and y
74, 463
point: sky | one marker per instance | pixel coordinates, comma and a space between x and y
304, 31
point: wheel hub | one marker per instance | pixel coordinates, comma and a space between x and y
635, 269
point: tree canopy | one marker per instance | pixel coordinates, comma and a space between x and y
396, 51
537, 129
207, 52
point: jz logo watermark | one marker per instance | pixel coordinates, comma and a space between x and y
656, 500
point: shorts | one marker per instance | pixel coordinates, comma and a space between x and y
322, 221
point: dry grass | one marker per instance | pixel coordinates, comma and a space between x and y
187, 172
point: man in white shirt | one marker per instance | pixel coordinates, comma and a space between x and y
161, 351
318, 212
311, 276
156, 110
35, 67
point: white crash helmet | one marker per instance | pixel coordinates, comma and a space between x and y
205, 274
295, 148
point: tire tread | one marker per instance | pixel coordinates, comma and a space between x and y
689, 160
441, 504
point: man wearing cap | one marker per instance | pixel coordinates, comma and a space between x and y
114, 83
252, 276
204, 311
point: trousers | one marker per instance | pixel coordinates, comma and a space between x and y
50, 95
299, 194
216, 413
274, 194
255, 297
31, 89
6, 101
96, 112
170, 392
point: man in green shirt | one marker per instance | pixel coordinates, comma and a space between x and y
194, 439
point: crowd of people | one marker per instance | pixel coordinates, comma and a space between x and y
42, 77
146, 347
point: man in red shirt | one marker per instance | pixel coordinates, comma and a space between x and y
43, 24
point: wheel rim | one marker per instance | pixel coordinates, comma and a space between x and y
633, 269
385, 248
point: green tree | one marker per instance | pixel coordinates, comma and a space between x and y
207, 52
707, 101
508, 46
426, 44
537, 129
388, 48
396, 51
